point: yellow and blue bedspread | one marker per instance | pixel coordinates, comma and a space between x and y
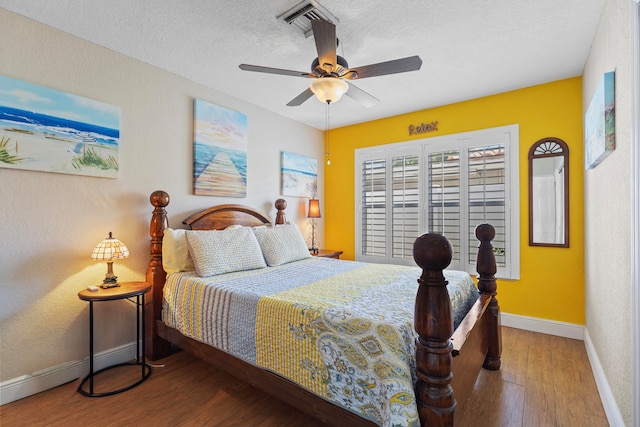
341, 329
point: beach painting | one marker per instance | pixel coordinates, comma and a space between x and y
299, 175
599, 123
219, 151
43, 129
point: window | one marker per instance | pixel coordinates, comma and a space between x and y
444, 185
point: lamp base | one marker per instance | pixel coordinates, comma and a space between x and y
314, 248
109, 284
110, 280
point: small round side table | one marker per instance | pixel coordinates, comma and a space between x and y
126, 290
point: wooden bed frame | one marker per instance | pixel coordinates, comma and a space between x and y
447, 361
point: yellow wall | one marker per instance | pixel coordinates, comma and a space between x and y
551, 284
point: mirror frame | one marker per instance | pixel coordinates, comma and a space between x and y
550, 147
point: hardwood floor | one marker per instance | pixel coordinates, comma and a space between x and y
544, 381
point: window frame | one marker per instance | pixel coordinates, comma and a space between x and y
507, 135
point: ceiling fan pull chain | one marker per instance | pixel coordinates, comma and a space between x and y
327, 153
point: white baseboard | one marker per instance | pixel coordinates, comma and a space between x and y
606, 395
37, 382
550, 327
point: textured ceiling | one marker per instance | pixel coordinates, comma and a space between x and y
469, 48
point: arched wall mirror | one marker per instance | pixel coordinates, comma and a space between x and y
549, 193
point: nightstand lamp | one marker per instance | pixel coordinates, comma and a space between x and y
108, 250
314, 212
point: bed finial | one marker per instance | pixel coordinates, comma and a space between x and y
486, 268
159, 198
281, 205
434, 324
433, 253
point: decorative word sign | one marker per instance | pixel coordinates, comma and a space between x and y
423, 128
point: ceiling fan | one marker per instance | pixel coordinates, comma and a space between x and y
331, 71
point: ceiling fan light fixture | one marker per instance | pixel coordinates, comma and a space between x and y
329, 89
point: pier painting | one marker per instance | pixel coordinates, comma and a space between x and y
43, 129
299, 175
219, 151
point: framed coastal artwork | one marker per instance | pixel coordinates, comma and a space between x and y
599, 123
299, 175
43, 129
219, 151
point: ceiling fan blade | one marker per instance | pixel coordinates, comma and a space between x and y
361, 97
324, 33
298, 100
260, 69
411, 63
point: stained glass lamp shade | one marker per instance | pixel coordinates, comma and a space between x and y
108, 250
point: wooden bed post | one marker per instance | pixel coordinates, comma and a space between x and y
486, 268
434, 325
156, 346
281, 205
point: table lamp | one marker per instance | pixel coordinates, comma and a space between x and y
314, 212
108, 250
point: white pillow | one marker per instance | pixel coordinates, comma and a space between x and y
175, 254
224, 251
281, 244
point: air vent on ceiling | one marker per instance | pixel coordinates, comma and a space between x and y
302, 14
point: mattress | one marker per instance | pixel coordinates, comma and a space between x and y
341, 329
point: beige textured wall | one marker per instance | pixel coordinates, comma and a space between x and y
50, 222
608, 211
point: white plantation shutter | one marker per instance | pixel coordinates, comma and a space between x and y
374, 209
445, 185
443, 197
388, 209
405, 193
486, 189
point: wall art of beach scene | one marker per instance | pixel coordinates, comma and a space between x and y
299, 175
599, 123
219, 151
42, 129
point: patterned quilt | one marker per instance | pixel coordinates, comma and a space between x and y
341, 329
